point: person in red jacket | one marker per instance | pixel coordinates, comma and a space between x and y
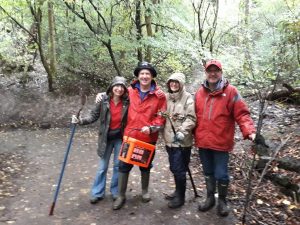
218, 106
143, 123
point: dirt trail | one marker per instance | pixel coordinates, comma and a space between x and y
36, 167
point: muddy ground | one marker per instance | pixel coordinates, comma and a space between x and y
31, 163
31, 160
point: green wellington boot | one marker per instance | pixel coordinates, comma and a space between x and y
122, 186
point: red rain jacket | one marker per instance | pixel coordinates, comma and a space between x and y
145, 113
216, 114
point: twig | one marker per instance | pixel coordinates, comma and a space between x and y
267, 165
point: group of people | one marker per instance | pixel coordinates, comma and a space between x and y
143, 109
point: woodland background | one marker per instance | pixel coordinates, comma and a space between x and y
52, 51
89, 42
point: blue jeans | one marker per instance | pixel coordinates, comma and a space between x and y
215, 163
98, 188
179, 159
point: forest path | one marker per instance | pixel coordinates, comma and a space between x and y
34, 158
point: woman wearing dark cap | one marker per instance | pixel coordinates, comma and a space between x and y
112, 111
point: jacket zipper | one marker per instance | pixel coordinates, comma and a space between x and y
204, 109
211, 107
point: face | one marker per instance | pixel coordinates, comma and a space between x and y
145, 77
174, 85
118, 90
213, 74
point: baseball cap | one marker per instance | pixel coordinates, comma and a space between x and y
215, 62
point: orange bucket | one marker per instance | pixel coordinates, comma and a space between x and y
136, 152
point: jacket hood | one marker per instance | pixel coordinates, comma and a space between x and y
222, 83
117, 81
180, 77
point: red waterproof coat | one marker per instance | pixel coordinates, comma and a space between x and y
216, 114
145, 113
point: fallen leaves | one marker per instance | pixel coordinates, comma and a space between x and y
259, 201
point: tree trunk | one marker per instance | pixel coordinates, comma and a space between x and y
291, 93
148, 21
248, 60
206, 13
148, 56
214, 27
52, 44
138, 26
298, 49
287, 186
287, 163
112, 56
41, 51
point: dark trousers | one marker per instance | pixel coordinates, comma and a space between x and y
179, 159
215, 164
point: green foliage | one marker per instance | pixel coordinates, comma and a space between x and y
271, 39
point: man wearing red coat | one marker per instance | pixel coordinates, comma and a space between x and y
143, 123
218, 107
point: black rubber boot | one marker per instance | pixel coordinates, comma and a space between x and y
145, 184
122, 186
210, 201
223, 209
171, 196
179, 198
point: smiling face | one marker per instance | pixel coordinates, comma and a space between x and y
174, 85
145, 78
213, 74
118, 90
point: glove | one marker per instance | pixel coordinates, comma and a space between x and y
75, 120
179, 136
260, 140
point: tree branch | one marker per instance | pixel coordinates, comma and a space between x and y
268, 164
20, 25
108, 29
83, 17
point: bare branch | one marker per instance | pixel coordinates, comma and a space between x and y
268, 164
20, 25
108, 29
83, 17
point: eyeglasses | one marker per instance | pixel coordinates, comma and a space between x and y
213, 71
175, 81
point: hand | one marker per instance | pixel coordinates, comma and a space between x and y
252, 136
179, 136
99, 97
75, 120
145, 130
